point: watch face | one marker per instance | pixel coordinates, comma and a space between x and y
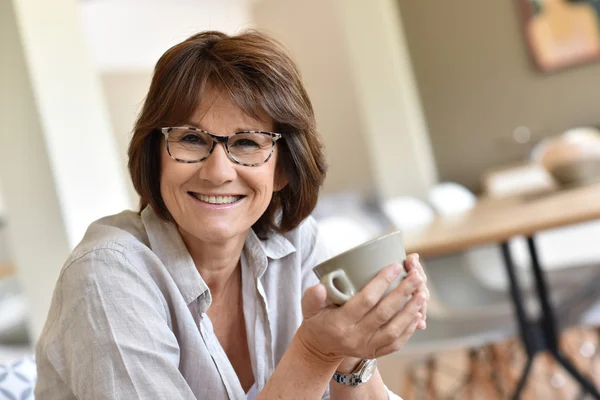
369, 369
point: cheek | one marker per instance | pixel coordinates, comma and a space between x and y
167, 177
272, 173
173, 176
261, 184
265, 182
167, 192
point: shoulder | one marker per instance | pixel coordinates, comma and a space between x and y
123, 232
300, 243
108, 272
111, 253
307, 229
116, 241
304, 235
306, 239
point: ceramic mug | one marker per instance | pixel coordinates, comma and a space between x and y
347, 273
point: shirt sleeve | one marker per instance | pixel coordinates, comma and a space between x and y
108, 335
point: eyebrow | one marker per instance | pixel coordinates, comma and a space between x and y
199, 126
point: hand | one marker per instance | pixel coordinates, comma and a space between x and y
349, 364
367, 326
412, 263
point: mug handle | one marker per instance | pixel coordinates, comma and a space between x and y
336, 295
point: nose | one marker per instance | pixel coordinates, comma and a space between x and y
217, 168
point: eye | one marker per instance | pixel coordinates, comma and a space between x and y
246, 143
192, 138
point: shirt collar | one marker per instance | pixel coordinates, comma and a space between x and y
258, 251
166, 242
276, 246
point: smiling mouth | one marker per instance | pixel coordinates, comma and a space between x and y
216, 199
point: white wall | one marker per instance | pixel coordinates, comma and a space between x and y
124, 92
37, 236
312, 31
61, 170
385, 89
124, 35
357, 71
72, 112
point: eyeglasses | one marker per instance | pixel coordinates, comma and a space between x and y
191, 145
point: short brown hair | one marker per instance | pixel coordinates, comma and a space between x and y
258, 76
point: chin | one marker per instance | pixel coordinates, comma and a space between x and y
215, 233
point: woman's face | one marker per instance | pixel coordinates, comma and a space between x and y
216, 200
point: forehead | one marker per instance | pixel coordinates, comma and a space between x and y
218, 110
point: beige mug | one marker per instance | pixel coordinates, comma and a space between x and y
347, 273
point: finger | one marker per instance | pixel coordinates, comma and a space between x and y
423, 323
314, 300
369, 296
425, 290
395, 328
423, 310
412, 262
391, 304
400, 342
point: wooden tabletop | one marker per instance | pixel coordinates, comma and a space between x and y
497, 220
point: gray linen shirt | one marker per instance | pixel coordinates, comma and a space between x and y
128, 317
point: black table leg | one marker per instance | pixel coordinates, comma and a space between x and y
548, 321
525, 329
538, 335
523, 379
586, 385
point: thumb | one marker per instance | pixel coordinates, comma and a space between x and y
314, 300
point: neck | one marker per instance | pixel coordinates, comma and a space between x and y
217, 262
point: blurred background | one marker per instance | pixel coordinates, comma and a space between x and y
423, 105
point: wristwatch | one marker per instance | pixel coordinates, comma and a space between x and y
360, 375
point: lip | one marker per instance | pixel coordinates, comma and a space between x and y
224, 206
217, 194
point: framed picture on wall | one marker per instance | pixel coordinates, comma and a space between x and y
562, 33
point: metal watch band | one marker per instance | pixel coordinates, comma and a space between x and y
350, 380
358, 376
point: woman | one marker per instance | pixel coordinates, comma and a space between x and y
208, 292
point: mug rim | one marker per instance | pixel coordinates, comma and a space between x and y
365, 244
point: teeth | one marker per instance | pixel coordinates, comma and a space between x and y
216, 199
